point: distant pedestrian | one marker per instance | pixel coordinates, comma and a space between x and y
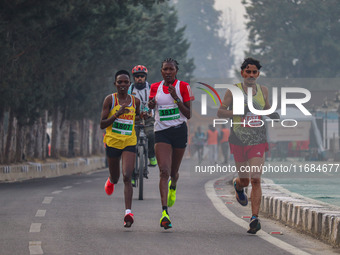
199, 141
212, 141
224, 141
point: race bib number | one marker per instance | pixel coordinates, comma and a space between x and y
168, 112
252, 120
122, 126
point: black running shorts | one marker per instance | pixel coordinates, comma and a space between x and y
176, 136
114, 152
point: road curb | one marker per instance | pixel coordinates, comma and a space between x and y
315, 218
30, 170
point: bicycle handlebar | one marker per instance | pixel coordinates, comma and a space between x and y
143, 126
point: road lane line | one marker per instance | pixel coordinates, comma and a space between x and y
57, 192
47, 200
35, 248
35, 227
40, 213
222, 209
67, 187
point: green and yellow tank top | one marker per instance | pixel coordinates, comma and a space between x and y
122, 131
250, 133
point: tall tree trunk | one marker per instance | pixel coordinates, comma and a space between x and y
97, 140
20, 137
38, 139
74, 149
26, 138
55, 142
90, 138
65, 137
9, 138
81, 137
44, 144
31, 140
2, 136
85, 138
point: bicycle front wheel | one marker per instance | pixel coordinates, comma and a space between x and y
141, 170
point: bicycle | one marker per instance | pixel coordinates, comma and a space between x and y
141, 165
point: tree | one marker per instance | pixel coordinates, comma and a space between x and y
295, 38
59, 58
212, 54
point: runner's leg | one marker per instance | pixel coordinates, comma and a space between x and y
177, 156
128, 164
114, 168
215, 153
243, 175
164, 155
256, 191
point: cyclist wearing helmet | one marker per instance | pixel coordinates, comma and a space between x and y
141, 90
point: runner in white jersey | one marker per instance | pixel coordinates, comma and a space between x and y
171, 100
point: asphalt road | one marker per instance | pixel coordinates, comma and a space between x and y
73, 215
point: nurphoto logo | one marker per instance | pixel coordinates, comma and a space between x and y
239, 101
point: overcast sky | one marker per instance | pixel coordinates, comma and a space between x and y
238, 11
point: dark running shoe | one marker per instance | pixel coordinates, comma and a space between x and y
254, 225
145, 173
241, 196
128, 220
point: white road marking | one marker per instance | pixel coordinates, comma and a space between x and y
220, 206
35, 248
35, 227
47, 200
57, 192
67, 187
77, 183
88, 181
40, 213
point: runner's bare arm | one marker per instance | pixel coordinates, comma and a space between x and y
267, 105
104, 121
266, 98
223, 111
185, 108
152, 103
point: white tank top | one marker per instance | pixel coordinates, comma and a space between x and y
167, 112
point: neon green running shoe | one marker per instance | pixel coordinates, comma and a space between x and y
153, 161
171, 196
165, 221
133, 182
